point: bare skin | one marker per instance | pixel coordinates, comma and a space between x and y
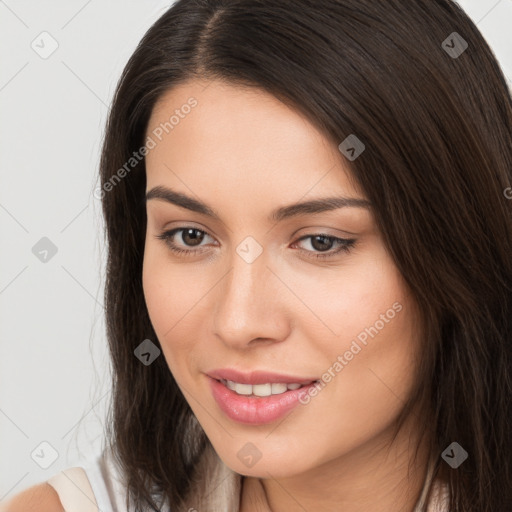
244, 153
38, 498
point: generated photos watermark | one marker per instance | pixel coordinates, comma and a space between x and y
348, 355
137, 156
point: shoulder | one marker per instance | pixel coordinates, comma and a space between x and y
38, 498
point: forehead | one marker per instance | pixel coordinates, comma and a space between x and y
213, 135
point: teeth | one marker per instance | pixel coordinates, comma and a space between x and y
261, 389
277, 389
229, 384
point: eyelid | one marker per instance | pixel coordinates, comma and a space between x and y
317, 230
169, 226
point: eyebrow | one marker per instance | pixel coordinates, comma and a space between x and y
314, 206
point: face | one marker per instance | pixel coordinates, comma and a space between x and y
246, 302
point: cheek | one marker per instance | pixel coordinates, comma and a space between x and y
170, 293
171, 289
366, 342
374, 364
356, 299
375, 321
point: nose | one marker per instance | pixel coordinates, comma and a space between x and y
250, 305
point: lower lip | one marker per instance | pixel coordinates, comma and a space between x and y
255, 410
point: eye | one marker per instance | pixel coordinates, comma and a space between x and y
192, 237
189, 235
320, 241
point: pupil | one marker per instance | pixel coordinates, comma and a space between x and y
195, 240
324, 245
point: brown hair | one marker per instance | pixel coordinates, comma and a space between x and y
437, 129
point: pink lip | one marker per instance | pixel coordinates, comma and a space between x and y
255, 410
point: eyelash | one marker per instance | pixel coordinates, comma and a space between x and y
346, 243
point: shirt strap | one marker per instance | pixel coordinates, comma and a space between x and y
74, 490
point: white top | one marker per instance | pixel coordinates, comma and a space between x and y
95, 487
98, 487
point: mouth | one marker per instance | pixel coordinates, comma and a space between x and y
260, 403
265, 389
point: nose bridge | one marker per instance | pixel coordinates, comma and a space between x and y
247, 302
244, 286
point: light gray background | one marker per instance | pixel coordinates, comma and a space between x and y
54, 367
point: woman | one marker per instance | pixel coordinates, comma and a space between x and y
309, 278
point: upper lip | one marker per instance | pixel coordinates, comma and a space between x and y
257, 377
